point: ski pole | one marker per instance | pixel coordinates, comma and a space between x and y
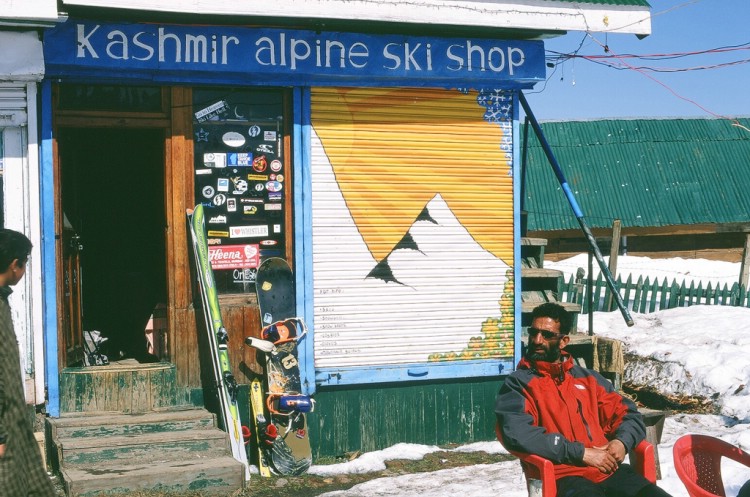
576, 210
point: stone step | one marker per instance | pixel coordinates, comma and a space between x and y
118, 424
105, 451
210, 476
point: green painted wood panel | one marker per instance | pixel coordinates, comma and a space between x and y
374, 417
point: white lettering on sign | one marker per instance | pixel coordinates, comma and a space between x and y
494, 59
193, 48
330, 53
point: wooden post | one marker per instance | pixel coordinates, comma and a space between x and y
614, 251
590, 291
745, 266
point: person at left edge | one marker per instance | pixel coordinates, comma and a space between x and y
22, 472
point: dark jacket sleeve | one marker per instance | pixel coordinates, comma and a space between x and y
619, 415
519, 431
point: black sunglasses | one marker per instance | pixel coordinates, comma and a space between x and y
546, 334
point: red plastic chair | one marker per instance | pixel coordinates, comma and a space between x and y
538, 469
697, 461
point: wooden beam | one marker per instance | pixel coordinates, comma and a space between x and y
745, 265
614, 251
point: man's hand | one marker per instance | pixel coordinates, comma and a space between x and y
600, 458
2, 450
617, 449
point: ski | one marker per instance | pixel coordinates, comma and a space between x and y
287, 407
218, 338
264, 435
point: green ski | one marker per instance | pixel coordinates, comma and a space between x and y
218, 338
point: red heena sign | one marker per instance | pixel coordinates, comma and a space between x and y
233, 256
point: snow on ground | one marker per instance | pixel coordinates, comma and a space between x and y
677, 268
700, 350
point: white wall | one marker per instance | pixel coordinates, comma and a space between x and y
27, 11
519, 14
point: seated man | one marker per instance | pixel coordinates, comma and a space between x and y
570, 415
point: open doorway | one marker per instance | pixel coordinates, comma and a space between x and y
113, 199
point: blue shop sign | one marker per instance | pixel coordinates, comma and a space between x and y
279, 56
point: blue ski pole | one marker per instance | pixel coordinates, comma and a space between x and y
576, 210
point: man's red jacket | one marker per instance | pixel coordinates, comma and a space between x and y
555, 410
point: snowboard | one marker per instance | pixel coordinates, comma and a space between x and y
285, 405
218, 339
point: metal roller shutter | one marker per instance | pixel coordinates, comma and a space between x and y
412, 197
13, 104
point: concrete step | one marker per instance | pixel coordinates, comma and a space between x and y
118, 424
104, 451
211, 476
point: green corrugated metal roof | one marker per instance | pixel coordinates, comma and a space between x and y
645, 172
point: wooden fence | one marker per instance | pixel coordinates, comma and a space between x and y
644, 295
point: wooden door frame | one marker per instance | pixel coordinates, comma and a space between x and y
113, 120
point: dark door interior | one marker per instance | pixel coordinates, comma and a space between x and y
113, 198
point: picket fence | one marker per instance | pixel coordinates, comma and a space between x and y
646, 295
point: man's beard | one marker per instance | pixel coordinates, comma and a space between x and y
550, 354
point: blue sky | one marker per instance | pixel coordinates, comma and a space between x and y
580, 89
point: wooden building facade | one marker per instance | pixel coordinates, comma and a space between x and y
382, 166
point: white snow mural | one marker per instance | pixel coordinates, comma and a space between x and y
438, 295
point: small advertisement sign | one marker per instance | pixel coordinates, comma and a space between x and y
233, 256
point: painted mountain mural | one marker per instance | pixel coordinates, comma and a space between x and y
440, 292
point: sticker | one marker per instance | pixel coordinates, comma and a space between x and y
257, 177
280, 178
259, 187
219, 200
231, 205
218, 234
217, 220
247, 275
260, 163
208, 191
276, 165
233, 139
239, 159
274, 186
203, 171
268, 242
212, 111
222, 185
275, 196
277, 228
249, 209
213, 241
240, 185
264, 148
234, 256
269, 136
215, 160
251, 200
248, 231
201, 135
267, 285
253, 131
272, 207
